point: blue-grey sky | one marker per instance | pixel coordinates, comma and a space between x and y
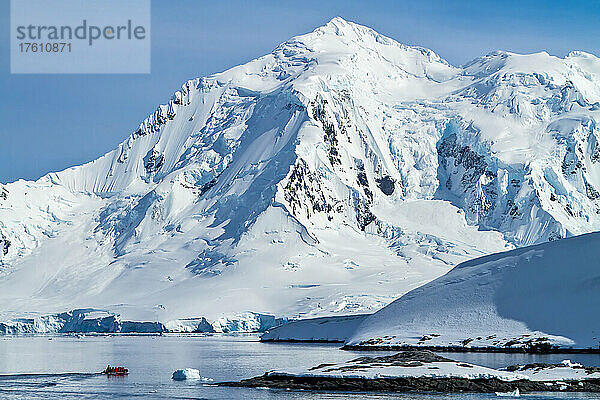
50, 122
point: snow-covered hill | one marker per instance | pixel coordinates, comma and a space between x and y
538, 296
328, 177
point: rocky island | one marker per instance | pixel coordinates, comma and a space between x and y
425, 371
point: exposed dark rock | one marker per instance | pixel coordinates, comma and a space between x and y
207, 186
4, 244
320, 366
463, 162
417, 384
363, 181
364, 216
514, 212
413, 358
542, 366
571, 163
153, 123
153, 161
555, 236
462, 155
531, 348
424, 356
330, 135
591, 192
3, 193
303, 192
362, 178
386, 185
595, 157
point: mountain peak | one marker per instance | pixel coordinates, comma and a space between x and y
340, 27
339, 22
335, 158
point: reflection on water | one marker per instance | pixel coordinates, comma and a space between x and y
67, 367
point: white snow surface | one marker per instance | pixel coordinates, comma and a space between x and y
566, 371
538, 295
328, 329
444, 369
328, 177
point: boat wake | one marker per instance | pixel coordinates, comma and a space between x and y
47, 375
41, 380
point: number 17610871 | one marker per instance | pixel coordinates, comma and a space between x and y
47, 47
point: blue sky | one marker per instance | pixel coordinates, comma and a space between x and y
50, 122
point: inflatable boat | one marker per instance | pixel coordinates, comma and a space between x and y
115, 371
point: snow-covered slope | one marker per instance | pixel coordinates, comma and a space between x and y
534, 297
328, 177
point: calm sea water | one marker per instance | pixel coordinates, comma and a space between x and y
64, 367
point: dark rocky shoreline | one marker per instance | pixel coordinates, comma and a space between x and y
348, 376
463, 349
417, 384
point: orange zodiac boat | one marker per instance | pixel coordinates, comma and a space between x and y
115, 370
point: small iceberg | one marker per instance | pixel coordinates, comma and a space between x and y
514, 393
187, 374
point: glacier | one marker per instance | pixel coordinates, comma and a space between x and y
329, 177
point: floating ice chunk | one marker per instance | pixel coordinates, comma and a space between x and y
514, 393
189, 374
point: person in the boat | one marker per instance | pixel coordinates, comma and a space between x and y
115, 370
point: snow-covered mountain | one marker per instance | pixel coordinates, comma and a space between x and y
533, 297
328, 177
